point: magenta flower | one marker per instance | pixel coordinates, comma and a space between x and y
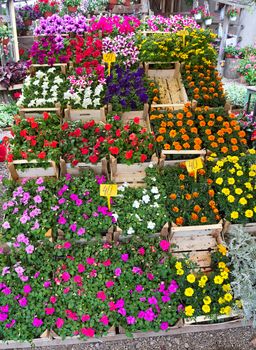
101, 295
149, 315
118, 272
6, 225
77, 279
5, 270
143, 299
137, 270
164, 245
152, 300
65, 276
74, 197
29, 249
141, 251
40, 181
150, 276
61, 200
81, 231
109, 284
81, 268
130, 320
106, 263
88, 332
47, 284
139, 288
66, 290
3, 317
62, 220
125, 257
23, 302
120, 303
6, 291
90, 261
79, 202
49, 310
173, 287
104, 319
37, 322
11, 324
180, 308
4, 308
73, 227
164, 326
27, 289
53, 299
165, 299
59, 322
37, 199
141, 314
122, 311
66, 245
85, 318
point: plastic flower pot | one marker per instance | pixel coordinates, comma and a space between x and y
47, 14
27, 22
208, 21
198, 16
72, 9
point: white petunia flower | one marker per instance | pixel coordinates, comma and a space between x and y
146, 199
151, 225
130, 231
125, 184
136, 204
154, 189
39, 74
155, 205
157, 196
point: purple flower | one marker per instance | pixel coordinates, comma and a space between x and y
149, 315
122, 311
30, 249
36, 275
21, 238
139, 288
180, 308
24, 278
24, 219
62, 220
56, 207
37, 322
5, 270
3, 317
39, 181
47, 284
100, 179
125, 257
165, 299
19, 270
62, 201
81, 231
4, 308
118, 272
152, 300
23, 302
164, 326
6, 291
79, 202
173, 287
36, 226
143, 299
120, 303
130, 320
73, 227
6, 225
141, 314
37, 199
27, 289
11, 324
40, 188
137, 270
74, 197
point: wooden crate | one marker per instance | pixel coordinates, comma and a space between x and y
250, 228
12, 88
15, 174
196, 242
100, 168
163, 162
234, 316
38, 112
126, 117
165, 73
62, 66
85, 114
133, 174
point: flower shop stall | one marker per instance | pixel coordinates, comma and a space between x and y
81, 255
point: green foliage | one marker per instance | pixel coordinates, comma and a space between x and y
6, 114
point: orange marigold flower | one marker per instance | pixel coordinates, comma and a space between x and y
209, 181
204, 89
196, 90
194, 130
233, 141
155, 91
203, 219
186, 145
191, 84
219, 118
206, 97
221, 132
226, 124
208, 132
212, 203
234, 148
201, 172
202, 123
178, 147
197, 208
220, 140
179, 123
170, 115
211, 137
200, 117
211, 89
183, 131
173, 196
244, 141
217, 217
214, 144
185, 137
211, 193
233, 122
163, 124
179, 116
162, 130
167, 146
224, 149
198, 141
182, 177
190, 122
201, 83
215, 210
210, 123
159, 138
215, 94
241, 133
172, 133
196, 97
229, 131
179, 221
175, 209
182, 187
197, 147
212, 83
170, 124
194, 216
195, 194
155, 98
189, 114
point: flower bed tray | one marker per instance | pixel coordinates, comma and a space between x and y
62, 66
100, 168
165, 73
206, 320
129, 116
133, 174
85, 114
38, 112
15, 174
163, 162
197, 242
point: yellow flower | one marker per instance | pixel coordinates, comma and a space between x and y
189, 311
222, 310
240, 173
191, 278
215, 169
219, 181
227, 310
239, 304
249, 213
221, 265
254, 209
249, 196
232, 170
228, 297
234, 159
231, 199
238, 191
180, 272
226, 287
220, 163
207, 300
178, 265
189, 292
222, 249
252, 151
231, 181
252, 173
234, 215
226, 191
224, 275
248, 185
242, 201
204, 278
221, 301
218, 279
206, 309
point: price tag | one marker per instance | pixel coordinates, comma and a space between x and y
49, 234
108, 190
109, 58
193, 165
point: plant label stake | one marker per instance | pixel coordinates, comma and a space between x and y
183, 33
108, 190
193, 165
109, 58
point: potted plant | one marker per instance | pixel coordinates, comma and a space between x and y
46, 7
5, 34
72, 5
197, 12
207, 19
232, 59
28, 14
232, 14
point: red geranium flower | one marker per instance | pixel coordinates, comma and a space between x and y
42, 155
128, 154
143, 158
114, 150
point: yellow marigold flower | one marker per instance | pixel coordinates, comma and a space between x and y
234, 215
226, 191
218, 279
215, 169
252, 151
227, 310
226, 287
178, 265
249, 213
231, 181
252, 173
180, 272
222, 249
221, 265
219, 181
189, 311
206, 309
238, 191
234, 159
232, 170
222, 310
191, 278
221, 301
204, 278
224, 275
240, 173
228, 297
220, 163
248, 185
231, 199
189, 292
207, 300
249, 196
201, 284
242, 201
254, 209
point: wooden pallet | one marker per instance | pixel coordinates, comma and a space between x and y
133, 174
15, 174
85, 114
38, 112
163, 162
196, 242
34, 67
100, 168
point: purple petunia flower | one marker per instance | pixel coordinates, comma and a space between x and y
130, 320
37, 322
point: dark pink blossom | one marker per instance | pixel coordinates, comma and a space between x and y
104, 319
101, 295
81, 268
164, 245
59, 322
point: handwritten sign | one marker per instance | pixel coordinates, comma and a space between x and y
193, 165
109, 58
108, 190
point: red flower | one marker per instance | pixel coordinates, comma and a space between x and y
84, 151
41, 155
101, 295
93, 159
54, 144
23, 133
128, 154
34, 125
150, 146
77, 132
33, 142
75, 162
136, 120
143, 158
114, 150
118, 133
88, 332
132, 137
46, 115
97, 130
108, 127
24, 155
10, 158
64, 126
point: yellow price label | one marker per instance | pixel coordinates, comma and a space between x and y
108, 190
109, 58
193, 165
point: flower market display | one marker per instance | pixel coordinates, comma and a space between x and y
89, 252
